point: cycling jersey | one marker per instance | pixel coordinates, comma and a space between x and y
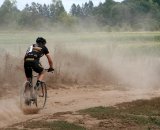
36, 52
32, 57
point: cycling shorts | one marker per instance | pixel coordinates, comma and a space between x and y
34, 65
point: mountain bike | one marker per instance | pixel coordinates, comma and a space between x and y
32, 95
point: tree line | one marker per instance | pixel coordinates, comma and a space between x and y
128, 15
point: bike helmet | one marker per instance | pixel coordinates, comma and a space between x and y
41, 41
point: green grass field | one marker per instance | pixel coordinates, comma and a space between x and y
141, 42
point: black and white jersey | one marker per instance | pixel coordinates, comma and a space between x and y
36, 52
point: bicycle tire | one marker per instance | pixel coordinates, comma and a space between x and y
25, 94
41, 95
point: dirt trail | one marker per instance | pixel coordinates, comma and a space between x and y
61, 100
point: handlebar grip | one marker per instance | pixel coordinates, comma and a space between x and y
49, 70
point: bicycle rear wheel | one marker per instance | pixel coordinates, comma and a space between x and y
41, 95
25, 94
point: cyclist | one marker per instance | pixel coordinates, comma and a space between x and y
32, 60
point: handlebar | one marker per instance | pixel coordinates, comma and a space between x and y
49, 70
46, 70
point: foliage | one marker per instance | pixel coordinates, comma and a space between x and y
8, 12
127, 15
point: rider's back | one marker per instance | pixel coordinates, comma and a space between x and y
36, 52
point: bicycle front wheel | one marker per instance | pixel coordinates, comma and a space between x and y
41, 96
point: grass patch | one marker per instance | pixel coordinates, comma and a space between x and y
53, 125
141, 112
142, 107
101, 112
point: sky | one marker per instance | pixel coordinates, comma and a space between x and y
67, 3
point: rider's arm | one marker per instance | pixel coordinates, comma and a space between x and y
49, 60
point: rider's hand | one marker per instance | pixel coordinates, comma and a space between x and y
50, 69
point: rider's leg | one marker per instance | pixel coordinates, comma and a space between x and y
29, 79
39, 69
28, 71
41, 76
40, 79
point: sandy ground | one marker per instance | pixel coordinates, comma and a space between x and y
72, 99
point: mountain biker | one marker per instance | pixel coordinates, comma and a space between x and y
32, 60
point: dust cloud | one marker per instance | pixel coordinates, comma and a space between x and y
80, 62
9, 111
137, 73
90, 62
111, 64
